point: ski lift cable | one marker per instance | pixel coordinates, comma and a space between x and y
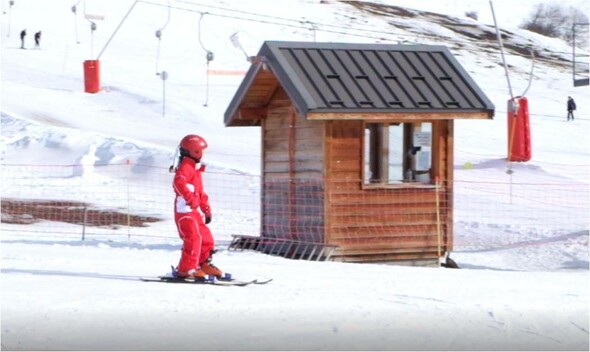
75, 12
296, 23
209, 56
117, 29
200, 30
158, 55
499, 36
84, 9
92, 24
356, 32
513, 104
288, 22
531, 73
168, 18
74, 7
92, 29
159, 36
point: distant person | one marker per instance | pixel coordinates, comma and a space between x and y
23, 34
571, 107
37, 39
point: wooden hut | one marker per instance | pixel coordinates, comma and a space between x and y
357, 145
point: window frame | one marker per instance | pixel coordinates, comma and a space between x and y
377, 161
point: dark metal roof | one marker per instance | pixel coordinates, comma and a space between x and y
367, 78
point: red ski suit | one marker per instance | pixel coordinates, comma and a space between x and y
196, 236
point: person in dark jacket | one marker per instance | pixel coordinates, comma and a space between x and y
37, 39
571, 106
23, 34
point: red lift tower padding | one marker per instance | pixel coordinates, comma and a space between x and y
91, 76
519, 131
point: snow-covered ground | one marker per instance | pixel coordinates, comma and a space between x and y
521, 287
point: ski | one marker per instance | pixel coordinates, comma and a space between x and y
215, 282
228, 278
225, 280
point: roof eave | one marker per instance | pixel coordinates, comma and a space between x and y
397, 115
232, 113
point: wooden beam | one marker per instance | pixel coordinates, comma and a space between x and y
271, 91
398, 116
448, 200
252, 113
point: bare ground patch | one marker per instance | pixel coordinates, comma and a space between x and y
15, 211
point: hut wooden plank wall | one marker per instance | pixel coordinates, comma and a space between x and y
329, 113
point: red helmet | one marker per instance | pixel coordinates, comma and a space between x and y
192, 146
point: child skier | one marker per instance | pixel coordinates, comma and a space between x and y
198, 244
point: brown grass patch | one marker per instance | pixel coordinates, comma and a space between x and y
15, 211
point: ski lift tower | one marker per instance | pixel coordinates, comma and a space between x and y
581, 66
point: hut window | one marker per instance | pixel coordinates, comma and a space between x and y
397, 152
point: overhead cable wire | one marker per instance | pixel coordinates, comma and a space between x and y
346, 31
315, 25
300, 24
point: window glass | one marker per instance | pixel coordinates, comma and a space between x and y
396, 153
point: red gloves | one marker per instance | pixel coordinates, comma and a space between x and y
207, 210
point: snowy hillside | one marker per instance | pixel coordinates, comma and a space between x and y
524, 278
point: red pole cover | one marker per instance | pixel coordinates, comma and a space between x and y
92, 76
519, 131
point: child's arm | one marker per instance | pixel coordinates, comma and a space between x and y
183, 188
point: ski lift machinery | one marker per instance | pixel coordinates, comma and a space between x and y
519, 136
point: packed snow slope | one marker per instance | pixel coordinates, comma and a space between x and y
61, 293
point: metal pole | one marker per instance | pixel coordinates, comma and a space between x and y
438, 226
74, 10
164, 77
92, 29
514, 104
531, 73
85, 219
501, 50
117, 29
574, 53
9, 16
128, 201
